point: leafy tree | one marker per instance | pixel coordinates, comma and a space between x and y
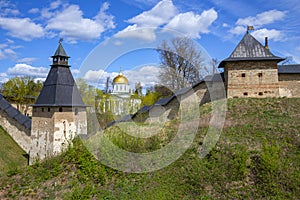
95, 99
150, 98
87, 92
181, 62
22, 91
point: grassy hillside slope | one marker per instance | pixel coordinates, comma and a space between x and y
256, 157
11, 155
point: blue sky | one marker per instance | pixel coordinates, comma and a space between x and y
101, 36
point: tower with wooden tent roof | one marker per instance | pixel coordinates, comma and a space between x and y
59, 112
251, 70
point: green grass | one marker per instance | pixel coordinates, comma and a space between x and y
256, 157
11, 155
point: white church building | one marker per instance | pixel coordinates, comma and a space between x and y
121, 101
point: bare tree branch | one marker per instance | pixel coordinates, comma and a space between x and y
181, 63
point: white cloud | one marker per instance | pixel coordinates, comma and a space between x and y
45, 13
193, 24
99, 76
3, 46
48, 12
160, 14
107, 21
147, 75
225, 25
144, 24
271, 34
22, 69
8, 8
259, 21
3, 78
26, 60
10, 52
55, 4
10, 11
238, 30
23, 28
260, 34
72, 25
140, 3
33, 10
147, 34
262, 19
7, 51
165, 15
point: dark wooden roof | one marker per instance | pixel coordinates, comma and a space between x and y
14, 113
167, 100
60, 51
289, 69
164, 101
59, 88
249, 49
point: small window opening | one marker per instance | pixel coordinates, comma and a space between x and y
60, 109
43, 110
260, 93
65, 128
259, 75
76, 111
48, 109
245, 93
243, 75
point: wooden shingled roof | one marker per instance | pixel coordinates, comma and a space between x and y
250, 49
59, 88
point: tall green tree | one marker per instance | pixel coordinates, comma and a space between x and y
22, 91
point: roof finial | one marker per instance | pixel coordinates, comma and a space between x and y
120, 70
250, 28
266, 43
60, 40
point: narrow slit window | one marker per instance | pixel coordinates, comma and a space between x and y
60, 109
243, 75
260, 75
49, 109
245, 93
